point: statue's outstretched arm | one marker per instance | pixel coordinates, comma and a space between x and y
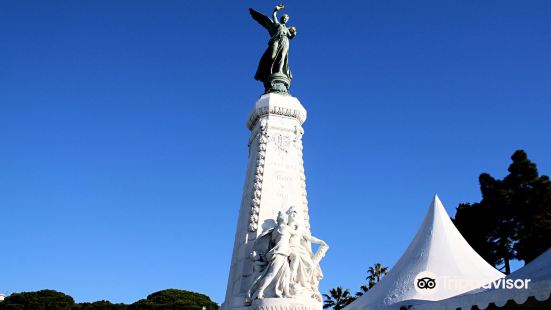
274, 15
316, 240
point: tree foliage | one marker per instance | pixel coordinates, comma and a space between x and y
40, 300
513, 219
97, 305
175, 299
337, 298
374, 275
49, 299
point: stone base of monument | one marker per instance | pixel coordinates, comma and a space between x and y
286, 304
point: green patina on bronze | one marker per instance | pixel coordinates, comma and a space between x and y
273, 69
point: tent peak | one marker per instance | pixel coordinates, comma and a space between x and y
436, 199
438, 248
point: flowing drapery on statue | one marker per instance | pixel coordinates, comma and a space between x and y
285, 265
305, 269
271, 257
273, 69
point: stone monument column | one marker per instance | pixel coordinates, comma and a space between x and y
274, 182
273, 264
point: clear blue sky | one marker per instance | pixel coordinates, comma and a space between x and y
123, 143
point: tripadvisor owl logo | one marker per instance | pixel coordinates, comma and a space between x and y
425, 283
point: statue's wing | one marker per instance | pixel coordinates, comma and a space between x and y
262, 19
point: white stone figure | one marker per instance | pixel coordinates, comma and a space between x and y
274, 274
304, 264
284, 261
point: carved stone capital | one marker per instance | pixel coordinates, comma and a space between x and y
276, 104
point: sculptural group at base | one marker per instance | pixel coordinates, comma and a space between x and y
284, 264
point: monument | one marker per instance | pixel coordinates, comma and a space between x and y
274, 265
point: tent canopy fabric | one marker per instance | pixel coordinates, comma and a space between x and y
538, 272
439, 249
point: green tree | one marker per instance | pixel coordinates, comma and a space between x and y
175, 299
375, 274
513, 219
99, 305
530, 198
475, 223
337, 298
40, 300
363, 289
166, 299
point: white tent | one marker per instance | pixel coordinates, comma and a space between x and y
538, 272
438, 248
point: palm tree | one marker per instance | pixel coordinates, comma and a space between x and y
337, 299
375, 274
363, 290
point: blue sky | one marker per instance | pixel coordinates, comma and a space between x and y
123, 144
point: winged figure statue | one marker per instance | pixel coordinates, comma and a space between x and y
273, 69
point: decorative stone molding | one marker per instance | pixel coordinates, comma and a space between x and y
257, 183
286, 307
299, 132
285, 304
277, 105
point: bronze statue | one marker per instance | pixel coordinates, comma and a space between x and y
273, 68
